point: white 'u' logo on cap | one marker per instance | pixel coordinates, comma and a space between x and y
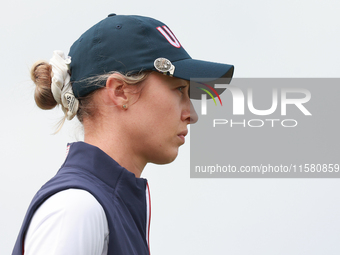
173, 40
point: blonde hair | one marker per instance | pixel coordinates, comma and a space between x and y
41, 75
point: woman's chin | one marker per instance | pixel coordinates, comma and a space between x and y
165, 159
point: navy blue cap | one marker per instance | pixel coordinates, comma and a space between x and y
131, 44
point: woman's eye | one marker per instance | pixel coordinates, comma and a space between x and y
181, 88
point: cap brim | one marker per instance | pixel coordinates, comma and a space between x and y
198, 71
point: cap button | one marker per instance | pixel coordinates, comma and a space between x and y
112, 14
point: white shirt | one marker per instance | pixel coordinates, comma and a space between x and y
70, 222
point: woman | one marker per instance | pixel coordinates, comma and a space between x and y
127, 80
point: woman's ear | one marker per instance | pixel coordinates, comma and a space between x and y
117, 90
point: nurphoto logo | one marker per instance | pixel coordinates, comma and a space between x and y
239, 101
242, 103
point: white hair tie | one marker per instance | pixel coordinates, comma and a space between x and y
61, 86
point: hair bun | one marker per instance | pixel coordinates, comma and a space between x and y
41, 75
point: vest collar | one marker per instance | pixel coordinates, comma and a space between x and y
101, 165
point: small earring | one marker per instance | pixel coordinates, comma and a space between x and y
124, 106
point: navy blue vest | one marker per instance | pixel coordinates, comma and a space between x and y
120, 193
